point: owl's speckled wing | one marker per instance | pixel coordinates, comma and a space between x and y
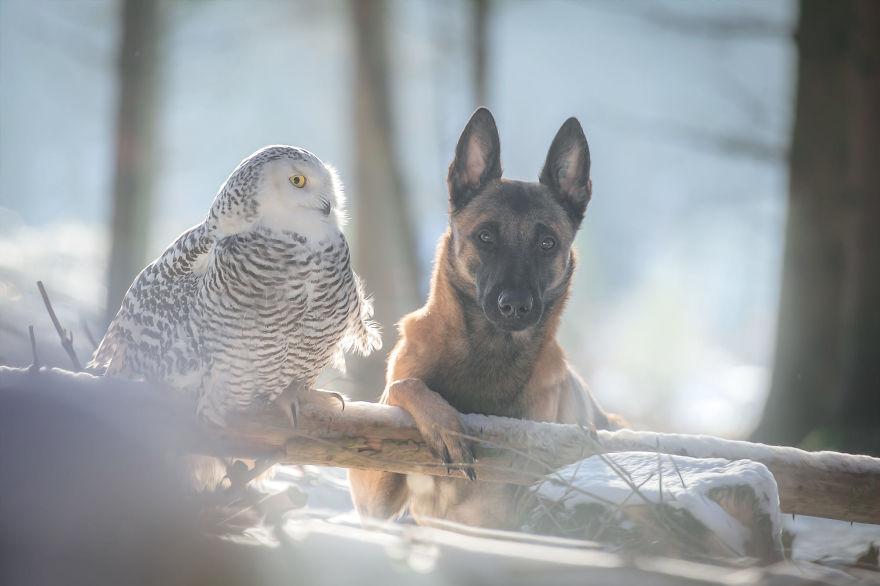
152, 336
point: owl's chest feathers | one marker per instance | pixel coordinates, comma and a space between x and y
280, 284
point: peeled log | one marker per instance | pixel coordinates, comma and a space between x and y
371, 436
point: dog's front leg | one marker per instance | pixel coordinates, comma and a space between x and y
439, 422
383, 495
377, 495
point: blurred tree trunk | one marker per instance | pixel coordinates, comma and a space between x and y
480, 40
860, 403
826, 380
135, 148
385, 254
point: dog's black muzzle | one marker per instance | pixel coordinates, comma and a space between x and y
512, 309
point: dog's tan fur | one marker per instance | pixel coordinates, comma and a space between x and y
450, 358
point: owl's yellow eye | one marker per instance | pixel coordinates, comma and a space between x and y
298, 180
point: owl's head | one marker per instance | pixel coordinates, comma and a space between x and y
281, 188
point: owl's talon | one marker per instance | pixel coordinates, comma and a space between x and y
291, 413
340, 397
324, 399
296, 397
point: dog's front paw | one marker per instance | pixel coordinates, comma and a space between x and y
446, 437
438, 422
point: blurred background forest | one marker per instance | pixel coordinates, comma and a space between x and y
119, 119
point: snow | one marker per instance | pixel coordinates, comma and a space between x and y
829, 540
704, 446
681, 482
70, 258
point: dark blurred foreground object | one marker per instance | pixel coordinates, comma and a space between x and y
93, 491
826, 382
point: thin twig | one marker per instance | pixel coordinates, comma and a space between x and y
621, 508
35, 366
675, 465
545, 512
574, 474
552, 475
615, 467
639, 486
66, 337
249, 504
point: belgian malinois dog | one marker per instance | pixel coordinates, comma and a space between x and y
485, 341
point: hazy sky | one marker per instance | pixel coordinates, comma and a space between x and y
688, 119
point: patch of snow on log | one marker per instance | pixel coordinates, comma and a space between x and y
687, 484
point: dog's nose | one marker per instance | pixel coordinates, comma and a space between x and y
515, 304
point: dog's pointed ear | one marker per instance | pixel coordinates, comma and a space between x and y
477, 159
567, 170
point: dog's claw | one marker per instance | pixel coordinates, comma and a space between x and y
293, 414
453, 452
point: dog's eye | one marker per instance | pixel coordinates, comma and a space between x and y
548, 243
485, 237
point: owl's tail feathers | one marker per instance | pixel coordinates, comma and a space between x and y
366, 335
369, 338
103, 355
107, 358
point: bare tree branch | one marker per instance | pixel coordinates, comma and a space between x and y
35, 365
66, 336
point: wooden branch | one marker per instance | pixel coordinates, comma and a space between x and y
371, 436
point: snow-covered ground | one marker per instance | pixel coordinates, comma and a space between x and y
815, 539
434, 555
829, 541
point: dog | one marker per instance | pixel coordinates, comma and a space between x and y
485, 341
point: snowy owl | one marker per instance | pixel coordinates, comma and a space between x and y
253, 301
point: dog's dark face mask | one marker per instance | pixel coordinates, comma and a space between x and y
511, 239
